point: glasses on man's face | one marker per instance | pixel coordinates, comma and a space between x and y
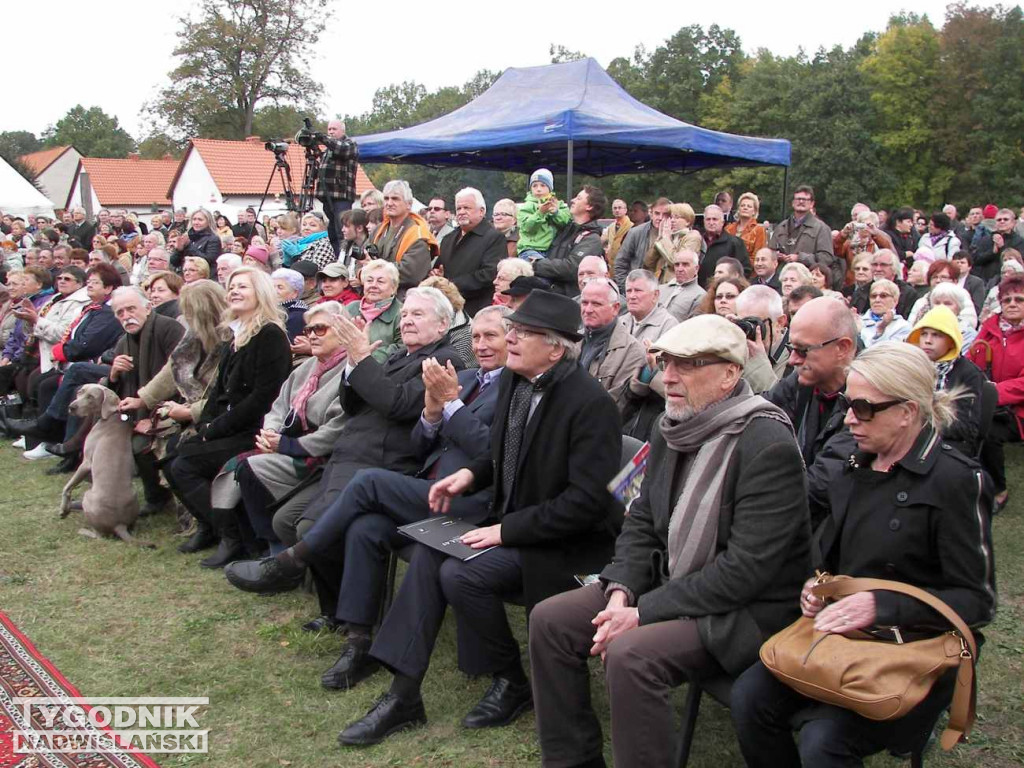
801, 199
1012, 300
803, 350
521, 332
319, 330
686, 364
863, 409
1003, 218
435, 208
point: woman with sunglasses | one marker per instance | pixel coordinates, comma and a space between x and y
297, 433
903, 507
999, 351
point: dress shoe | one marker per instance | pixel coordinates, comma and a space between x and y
503, 703
67, 465
353, 665
264, 577
388, 715
228, 551
23, 427
203, 538
323, 623
58, 449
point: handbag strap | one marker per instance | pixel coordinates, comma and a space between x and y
962, 709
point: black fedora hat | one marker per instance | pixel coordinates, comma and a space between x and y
524, 284
550, 311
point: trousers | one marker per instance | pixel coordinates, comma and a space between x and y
642, 666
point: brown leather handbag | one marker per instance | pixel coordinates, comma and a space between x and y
878, 679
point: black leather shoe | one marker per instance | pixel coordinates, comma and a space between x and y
322, 624
264, 577
66, 466
203, 538
27, 427
503, 703
388, 715
228, 551
353, 665
58, 449
151, 508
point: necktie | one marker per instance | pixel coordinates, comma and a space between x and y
518, 413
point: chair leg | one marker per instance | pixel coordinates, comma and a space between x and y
690, 711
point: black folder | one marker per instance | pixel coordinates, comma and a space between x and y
442, 532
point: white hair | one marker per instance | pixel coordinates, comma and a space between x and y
442, 307
953, 292
518, 267
647, 277
603, 268
232, 260
379, 265
614, 297
892, 256
326, 308
294, 279
401, 186
131, 291
494, 309
760, 301
478, 198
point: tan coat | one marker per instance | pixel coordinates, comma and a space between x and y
622, 362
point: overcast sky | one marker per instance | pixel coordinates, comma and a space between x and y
116, 55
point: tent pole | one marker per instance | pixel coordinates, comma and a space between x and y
568, 173
785, 184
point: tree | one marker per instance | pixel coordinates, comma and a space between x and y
14, 144
92, 131
237, 56
157, 146
560, 54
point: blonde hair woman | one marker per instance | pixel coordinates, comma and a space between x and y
252, 367
677, 235
194, 269
745, 227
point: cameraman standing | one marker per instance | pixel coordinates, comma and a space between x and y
337, 182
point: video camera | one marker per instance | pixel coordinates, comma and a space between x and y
277, 147
308, 137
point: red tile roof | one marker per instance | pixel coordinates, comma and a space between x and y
243, 167
43, 159
130, 181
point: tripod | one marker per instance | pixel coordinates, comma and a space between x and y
281, 168
314, 156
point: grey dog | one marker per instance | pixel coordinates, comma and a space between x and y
110, 506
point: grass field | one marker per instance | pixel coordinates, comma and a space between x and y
120, 621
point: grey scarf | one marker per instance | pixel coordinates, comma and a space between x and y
712, 434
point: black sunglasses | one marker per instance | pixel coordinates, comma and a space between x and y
865, 410
802, 351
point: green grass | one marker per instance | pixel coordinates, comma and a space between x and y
120, 621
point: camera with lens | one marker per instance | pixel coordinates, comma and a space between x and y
749, 326
277, 147
308, 137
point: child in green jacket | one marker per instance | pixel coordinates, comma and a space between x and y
540, 217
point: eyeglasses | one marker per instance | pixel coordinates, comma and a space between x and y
803, 350
1012, 300
865, 410
882, 295
802, 199
435, 208
687, 364
523, 333
501, 213
319, 330
1003, 218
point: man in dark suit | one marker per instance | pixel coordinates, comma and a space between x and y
453, 428
470, 254
973, 284
720, 245
554, 447
766, 269
709, 563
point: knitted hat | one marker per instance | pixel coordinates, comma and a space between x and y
259, 253
989, 211
544, 175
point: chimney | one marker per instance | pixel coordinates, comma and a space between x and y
254, 139
134, 156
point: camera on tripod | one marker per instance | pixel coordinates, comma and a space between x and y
307, 137
279, 148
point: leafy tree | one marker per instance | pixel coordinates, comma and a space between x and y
92, 131
14, 144
560, 54
235, 57
158, 146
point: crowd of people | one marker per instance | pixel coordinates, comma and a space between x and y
302, 386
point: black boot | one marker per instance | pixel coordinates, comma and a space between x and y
231, 546
66, 466
204, 538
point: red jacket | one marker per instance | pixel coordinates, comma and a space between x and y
1006, 367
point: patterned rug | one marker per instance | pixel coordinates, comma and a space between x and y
24, 672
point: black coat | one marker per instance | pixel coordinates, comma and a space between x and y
572, 243
751, 588
383, 402
975, 287
149, 350
988, 258
803, 406
98, 332
962, 434
559, 516
925, 522
244, 390
204, 245
725, 246
470, 261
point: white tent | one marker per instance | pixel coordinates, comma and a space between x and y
18, 196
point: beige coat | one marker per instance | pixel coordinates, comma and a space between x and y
622, 362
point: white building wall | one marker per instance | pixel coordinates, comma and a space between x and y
56, 180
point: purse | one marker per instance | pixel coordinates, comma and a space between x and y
876, 678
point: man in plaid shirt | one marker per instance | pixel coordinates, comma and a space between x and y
337, 177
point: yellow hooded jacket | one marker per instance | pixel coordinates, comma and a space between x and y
943, 320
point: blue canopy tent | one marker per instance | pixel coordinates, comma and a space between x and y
566, 117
